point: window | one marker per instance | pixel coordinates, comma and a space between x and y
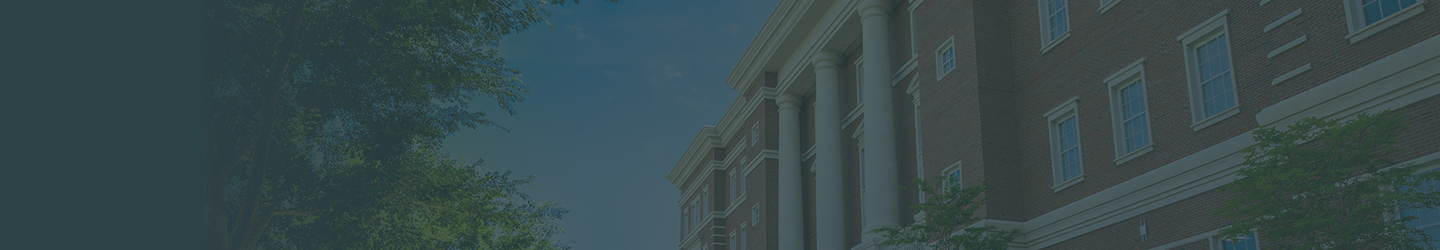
743, 235
1065, 145
1054, 23
859, 81
1217, 92
742, 181
732, 186
754, 134
945, 58
1367, 17
695, 214
913, 54
1208, 65
705, 204
1239, 242
755, 214
953, 171
861, 168
684, 222
1426, 219
732, 244
1130, 118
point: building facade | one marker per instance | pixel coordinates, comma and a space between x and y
1098, 124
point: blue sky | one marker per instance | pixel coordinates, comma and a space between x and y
618, 91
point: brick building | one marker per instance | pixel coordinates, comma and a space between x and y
1099, 124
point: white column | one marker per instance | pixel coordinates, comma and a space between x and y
791, 218
881, 195
829, 179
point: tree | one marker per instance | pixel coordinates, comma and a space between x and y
947, 211
1330, 184
325, 117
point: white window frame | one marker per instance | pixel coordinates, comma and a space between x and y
733, 185
913, 52
755, 214
919, 140
859, 81
1126, 77
695, 221
1064, 111
1048, 41
1359, 30
1216, 27
940, 70
754, 134
732, 244
1107, 4
743, 175
1217, 240
860, 165
954, 168
744, 235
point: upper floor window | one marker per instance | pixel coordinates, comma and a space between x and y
953, 179
945, 58
742, 174
754, 134
859, 81
861, 163
743, 236
1239, 242
1216, 78
1054, 23
732, 186
1367, 17
1426, 219
732, 244
1211, 76
1065, 145
1128, 109
755, 214
1377, 9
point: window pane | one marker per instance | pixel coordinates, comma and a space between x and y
1069, 140
1389, 7
1060, 18
1406, 3
1227, 95
1072, 166
1372, 12
1241, 242
1143, 137
957, 184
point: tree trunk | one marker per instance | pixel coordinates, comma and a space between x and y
252, 220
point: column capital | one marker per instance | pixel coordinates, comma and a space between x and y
788, 101
826, 59
870, 8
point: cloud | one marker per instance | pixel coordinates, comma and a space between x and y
579, 32
610, 73
663, 73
